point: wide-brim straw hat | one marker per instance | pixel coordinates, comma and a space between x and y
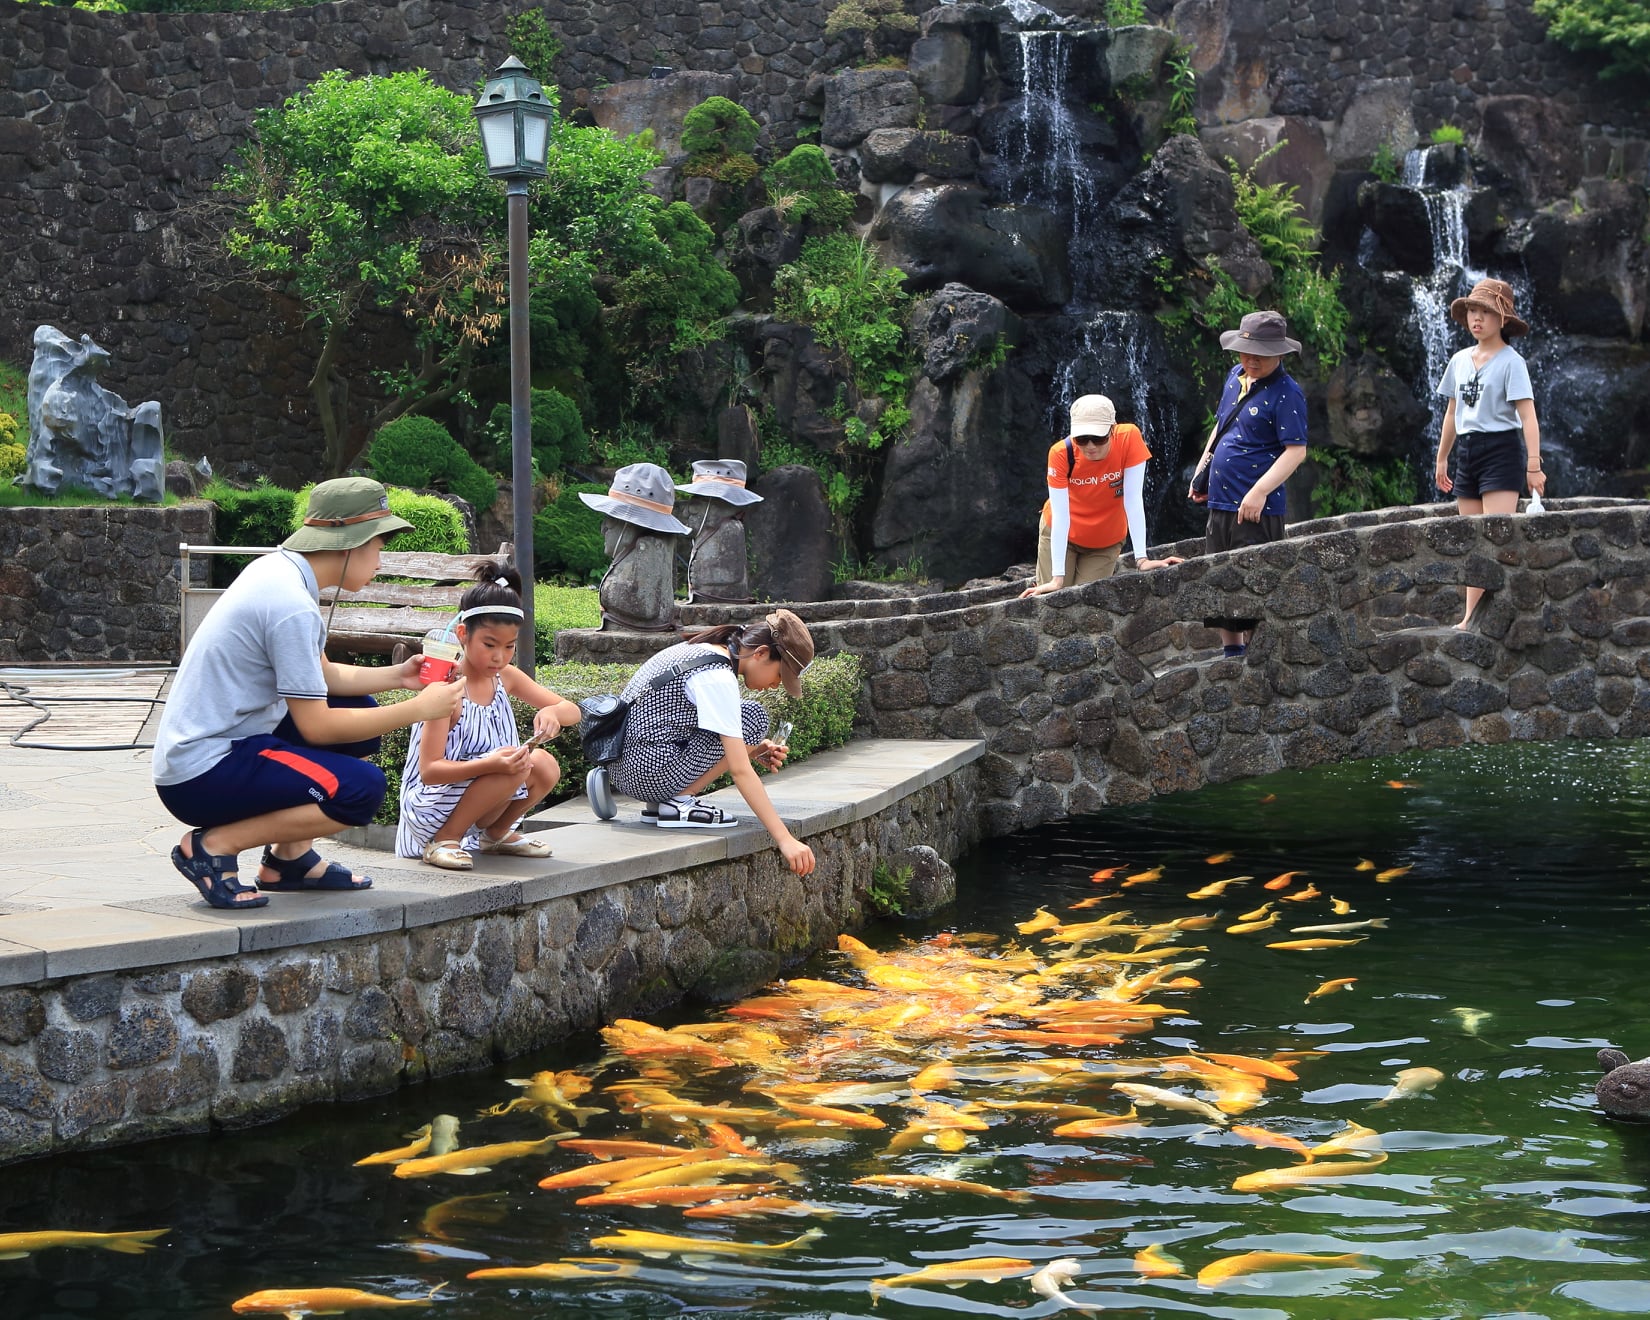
1493, 296
1262, 334
641, 493
720, 479
344, 514
796, 648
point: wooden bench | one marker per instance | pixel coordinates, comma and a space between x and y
387, 616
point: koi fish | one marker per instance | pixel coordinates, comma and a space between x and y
1108, 1125
439, 1220
294, 1302
1472, 1019
1392, 873
609, 1150
1277, 1180
1259, 912
617, 1171
1144, 877
1100, 877
1219, 887
1251, 1262
1045, 1109
725, 1138
443, 1135
1364, 864
1142, 1094
670, 1244
474, 1159
1261, 1137
1339, 906
1084, 903
655, 1196
1340, 927
952, 1273
1249, 927
1219, 858
14, 1246
574, 1267
1304, 895
1154, 1263
1330, 987
1409, 1083
681, 1113
1308, 945
1401, 783
1258, 1067
701, 1173
911, 1182
754, 1207
419, 1144
1053, 1278
1282, 881
550, 1094
1353, 1139
1042, 919
1268, 799
829, 1116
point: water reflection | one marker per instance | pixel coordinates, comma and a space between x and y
1513, 950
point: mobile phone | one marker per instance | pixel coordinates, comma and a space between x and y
538, 740
782, 735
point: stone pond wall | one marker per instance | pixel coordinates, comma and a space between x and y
93, 583
1095, 696
103, 1059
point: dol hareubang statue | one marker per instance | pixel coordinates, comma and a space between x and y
719, 570
82, 435
638, 591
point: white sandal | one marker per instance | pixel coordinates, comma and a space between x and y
523, 845
447, 855
688, 813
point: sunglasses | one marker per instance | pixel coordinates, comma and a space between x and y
1093, 441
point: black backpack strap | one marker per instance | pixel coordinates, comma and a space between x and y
1071, 458
682, 668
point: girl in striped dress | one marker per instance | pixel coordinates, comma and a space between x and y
469, 780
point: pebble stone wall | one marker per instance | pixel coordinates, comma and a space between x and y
94, 583
1094, 697
104, 1059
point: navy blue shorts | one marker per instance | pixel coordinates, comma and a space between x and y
1488, 460
273, 771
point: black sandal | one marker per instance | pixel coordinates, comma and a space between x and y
295, 874
206, 871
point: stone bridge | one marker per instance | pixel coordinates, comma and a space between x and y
1106, 694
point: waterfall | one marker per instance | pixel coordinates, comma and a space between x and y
1046, 147
1451, 277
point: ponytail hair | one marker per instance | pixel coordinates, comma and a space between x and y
752, 636
495, 598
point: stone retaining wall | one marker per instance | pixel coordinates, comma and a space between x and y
94, 583
102, 1059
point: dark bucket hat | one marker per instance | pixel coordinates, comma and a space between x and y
1264, 334
344, 514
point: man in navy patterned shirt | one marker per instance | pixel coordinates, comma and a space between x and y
1258, 440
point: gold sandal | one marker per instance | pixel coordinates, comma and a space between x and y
447, 855
522, 845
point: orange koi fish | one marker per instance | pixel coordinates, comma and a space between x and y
1100, 877
1387, 876
1282, 881
1261, 1137
1268, 799
1098, 899
654, 1196
1401, 783
292, 1302
574, 1267
1220, 858
1144, 877
1330, 987
1301, 896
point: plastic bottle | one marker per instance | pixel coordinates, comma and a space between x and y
1535, 505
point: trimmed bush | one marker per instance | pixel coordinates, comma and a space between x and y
802, 184
823, 716
567, 534
421, 453
558, 432
721, 126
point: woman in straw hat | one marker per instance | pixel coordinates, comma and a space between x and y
262, 736
1489, 421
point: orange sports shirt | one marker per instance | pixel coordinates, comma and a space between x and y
1096, 486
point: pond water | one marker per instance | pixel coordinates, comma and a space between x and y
1513, 948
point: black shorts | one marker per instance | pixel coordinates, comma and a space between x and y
1488, 460
1225, 532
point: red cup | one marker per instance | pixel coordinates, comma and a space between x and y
438, 662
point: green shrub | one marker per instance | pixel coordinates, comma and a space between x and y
802, 185
420, 452
567, 535
1125, 13
437, 527
629, 442
719, 126
264, 515
1385, 165
558, 432
1619, 29
1447, 135
823, 717
1350, 484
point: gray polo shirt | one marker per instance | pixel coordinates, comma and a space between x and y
1485, 397
261, 643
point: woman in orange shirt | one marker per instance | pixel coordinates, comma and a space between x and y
1096, 496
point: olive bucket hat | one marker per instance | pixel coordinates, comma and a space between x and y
344, 514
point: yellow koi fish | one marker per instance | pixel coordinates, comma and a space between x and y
670, 1244
1154, 1263
615, 1149
755, 1207
1392, 874
1339, 906
1340, 927
829, 1116
420, 1143
1219, 887
1109, 1125
1095, 901
1410, 1083
681, 1113
1276, 1180
574, 1267
1142, 1094
14, 1246
616, 1171
1220, 858
440, 1220
1259, 912
1330, 987
707, 1171
1309, 945
1251, 1262
474, 1159
1258, 1067
1144, 877
294, 1302
1353, 1139
1249, 927
1364, 864
953, 1273
1043, 919
550, 1094
911, 1182
1261, 1137
1472, 1018
1304, 895
654, 1196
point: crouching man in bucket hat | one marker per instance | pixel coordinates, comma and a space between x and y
262, 736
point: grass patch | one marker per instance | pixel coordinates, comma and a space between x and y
70, 498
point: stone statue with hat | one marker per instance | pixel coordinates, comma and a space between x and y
638, 591
719, 568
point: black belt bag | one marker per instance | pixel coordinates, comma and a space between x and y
602, 720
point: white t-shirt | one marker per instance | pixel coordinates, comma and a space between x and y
261, 644
1485, 396
715, 692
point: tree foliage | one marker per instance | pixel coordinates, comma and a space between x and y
1620, 29
366, 193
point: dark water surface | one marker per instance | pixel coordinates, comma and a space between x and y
1504, 1193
